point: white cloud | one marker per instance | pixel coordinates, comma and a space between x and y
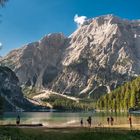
0, 45
79, 20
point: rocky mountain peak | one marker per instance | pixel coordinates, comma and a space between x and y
105, 52
32, 61
110, 19
55, 39
101, 54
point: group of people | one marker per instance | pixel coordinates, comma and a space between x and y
89, 120
110, 120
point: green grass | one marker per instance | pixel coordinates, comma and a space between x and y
67, 134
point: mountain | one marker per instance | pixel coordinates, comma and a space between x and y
11, 96
37, 63
99, 56
10, 90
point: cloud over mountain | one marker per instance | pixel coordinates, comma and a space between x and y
79, 20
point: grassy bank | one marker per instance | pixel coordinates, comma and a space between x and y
67, 134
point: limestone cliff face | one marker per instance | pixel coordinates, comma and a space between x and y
10, 89
38, 63
11, 93
101, 54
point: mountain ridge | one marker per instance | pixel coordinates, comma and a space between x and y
100, 55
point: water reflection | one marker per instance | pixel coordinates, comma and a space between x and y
66, 118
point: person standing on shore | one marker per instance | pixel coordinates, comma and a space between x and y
89, 121
130, 121
108, 120
81, 122
112, 120
18, 120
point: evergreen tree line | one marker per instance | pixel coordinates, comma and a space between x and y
62, 103
123, 98
65, 104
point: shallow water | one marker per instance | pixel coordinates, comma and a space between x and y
52, 119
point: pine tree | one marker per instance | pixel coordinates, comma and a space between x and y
124, 97
133, 99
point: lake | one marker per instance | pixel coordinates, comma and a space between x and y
52, 119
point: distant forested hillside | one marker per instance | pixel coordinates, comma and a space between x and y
123, 98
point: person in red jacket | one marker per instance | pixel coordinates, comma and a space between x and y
130, 121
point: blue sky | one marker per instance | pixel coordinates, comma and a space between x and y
25, 21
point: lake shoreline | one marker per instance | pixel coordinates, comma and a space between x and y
67, 119
41, 126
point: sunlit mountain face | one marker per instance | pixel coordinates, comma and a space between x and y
100, 55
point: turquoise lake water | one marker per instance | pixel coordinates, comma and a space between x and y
66, 118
